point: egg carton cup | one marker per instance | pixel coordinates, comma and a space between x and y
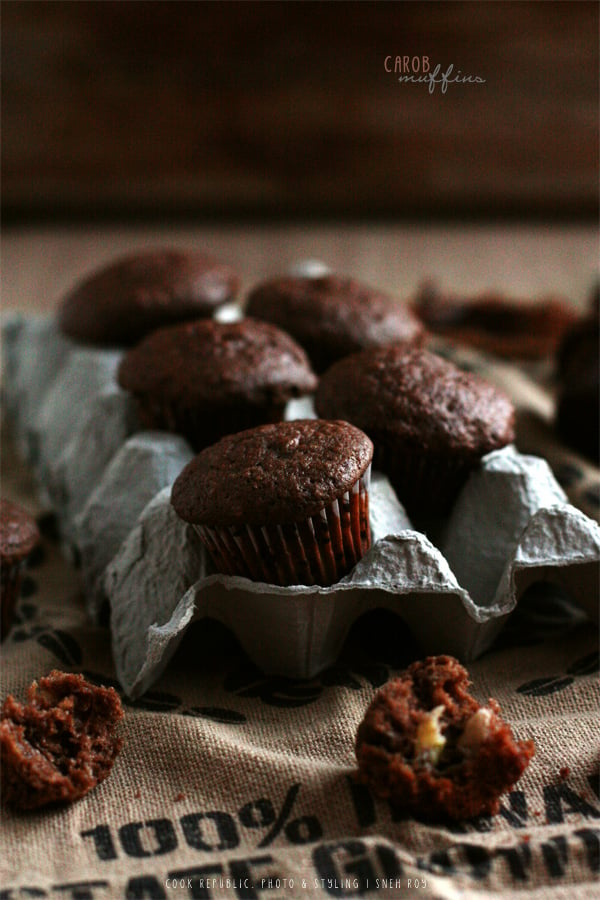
110, 419
86, 373
34, 351
298, 631
144, 465
12, 325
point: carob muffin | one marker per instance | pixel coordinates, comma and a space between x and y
332, 316
60, 744
19, 536
206, 379
426, 745
136, 294
578, 398
497, 324
284, 504
430, 422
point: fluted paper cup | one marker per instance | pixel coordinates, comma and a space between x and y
320, 549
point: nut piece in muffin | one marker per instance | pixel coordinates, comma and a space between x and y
60, 744
19, 536
426, 745
430, 422
120, 303
333, 316
283, 504
206, 379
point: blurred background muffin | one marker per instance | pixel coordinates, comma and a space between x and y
333, 315
120, 303
429, 421
510, 327
206, 379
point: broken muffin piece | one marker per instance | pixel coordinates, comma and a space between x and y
426, 745
59, 745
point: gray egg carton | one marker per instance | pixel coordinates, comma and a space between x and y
110, 485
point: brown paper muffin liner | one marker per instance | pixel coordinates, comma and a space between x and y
11, 576
203, 427
318, 550
425, 483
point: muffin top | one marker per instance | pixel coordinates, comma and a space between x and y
337, 313
417, 397
120, 303
273, 474
214, 363
18, 532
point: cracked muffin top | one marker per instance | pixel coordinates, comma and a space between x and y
272, 474
213, 362
418, 397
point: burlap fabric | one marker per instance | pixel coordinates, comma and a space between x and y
234, 784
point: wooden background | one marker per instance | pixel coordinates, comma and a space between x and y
285, 109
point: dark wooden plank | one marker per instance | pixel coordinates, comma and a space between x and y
285, 108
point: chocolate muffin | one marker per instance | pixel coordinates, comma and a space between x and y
206, 379
125, 300
426, 745
430, 422
497, 324
60, 744
19, 535
284, 504
578, 399
332, 316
